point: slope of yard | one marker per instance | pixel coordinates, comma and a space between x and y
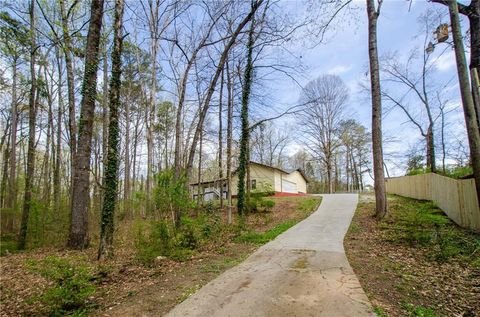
415, 262
59, 282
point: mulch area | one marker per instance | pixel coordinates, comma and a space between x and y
403, 281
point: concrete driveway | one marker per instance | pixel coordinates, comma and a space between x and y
303, 272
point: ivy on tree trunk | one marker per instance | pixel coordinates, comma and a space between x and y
111, 171
245, 137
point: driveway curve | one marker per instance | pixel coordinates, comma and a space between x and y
303, 272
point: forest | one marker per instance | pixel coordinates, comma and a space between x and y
111, 109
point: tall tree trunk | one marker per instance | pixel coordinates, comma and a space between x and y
199, 175
46, 158
111, 171
32, 109
58, 159
245, 136
11, 200
220, 140
430, 149
474, 19
442, 135
67, 51
3, 184
467, 98
78, 237
377, 146
347, 170
229, 142
151, 106
105, 105
126, 186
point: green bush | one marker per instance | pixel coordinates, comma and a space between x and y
160, 238
171, 193
267, 205
72, 285
8, 244
157, 240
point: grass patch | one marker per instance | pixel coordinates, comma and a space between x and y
264, 237
72, 285
422, 224
379, 311
410, 259
419, 311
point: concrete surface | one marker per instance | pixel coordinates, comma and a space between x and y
303, 272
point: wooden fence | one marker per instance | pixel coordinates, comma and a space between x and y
457, 198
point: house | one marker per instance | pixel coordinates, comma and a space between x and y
262, 178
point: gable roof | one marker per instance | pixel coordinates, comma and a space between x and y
262, 165
282, 170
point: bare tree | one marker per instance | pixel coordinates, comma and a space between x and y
326, 99
32, 116
268, 144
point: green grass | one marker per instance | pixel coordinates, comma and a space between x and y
379, 311
419, 311
422, 224
305, 207
264, 237
308, 205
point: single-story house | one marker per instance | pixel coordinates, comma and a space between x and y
262, 178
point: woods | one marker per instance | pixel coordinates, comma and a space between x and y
135, 124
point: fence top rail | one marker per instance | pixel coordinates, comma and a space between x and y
429, 174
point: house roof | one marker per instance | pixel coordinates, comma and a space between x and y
259, 164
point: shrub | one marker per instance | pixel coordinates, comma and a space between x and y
72, 285
267, 205
158, 241
171, 193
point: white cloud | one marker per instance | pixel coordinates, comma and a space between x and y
445, 61
340, 69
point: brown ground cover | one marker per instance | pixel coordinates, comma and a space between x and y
126, 287
415, 262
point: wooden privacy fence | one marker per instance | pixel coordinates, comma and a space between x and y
456, 197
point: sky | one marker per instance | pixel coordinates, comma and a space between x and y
345, 53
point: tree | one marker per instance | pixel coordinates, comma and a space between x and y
268, 144
245, 136
15, 40
111, 171
379, 177
471, 122
32, 115
418, 85
78, 236
472, 12
325, 99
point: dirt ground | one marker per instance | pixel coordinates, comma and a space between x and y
125, 287
401, 280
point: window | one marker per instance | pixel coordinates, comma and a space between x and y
253, 184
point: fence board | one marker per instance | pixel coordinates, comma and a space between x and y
456, 197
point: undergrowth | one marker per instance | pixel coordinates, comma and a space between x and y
72, 284
422, 224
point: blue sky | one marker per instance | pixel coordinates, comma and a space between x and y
345, 53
